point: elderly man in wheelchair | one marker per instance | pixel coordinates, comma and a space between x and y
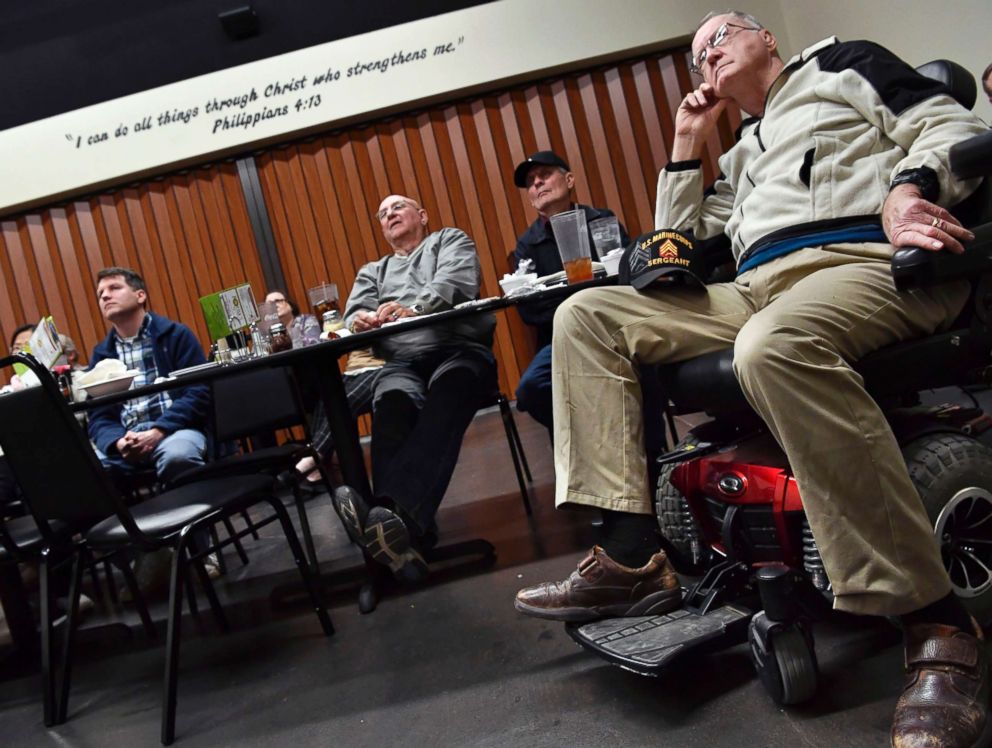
843, 161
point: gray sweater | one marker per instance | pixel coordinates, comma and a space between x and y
440, 273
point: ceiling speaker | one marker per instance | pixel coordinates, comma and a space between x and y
239, 23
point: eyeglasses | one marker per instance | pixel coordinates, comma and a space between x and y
395, 208
719, 37
275, 301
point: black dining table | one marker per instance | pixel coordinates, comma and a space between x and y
318, 363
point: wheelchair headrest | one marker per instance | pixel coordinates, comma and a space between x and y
955, 77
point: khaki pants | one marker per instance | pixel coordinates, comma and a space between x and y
794, 324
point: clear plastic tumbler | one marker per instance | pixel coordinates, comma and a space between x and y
605, 235
572, 237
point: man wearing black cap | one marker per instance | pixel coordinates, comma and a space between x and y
843, 159
549, 183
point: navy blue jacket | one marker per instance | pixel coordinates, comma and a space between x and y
176, 347
537, 243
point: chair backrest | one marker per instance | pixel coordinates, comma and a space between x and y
957, 78
255, 401
50, 455
977, 208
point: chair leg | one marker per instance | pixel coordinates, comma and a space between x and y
70, 634
194, 607
49, 707
123, 563
508, 426
306, 571
172, 640
208, 587
108, 572
95, 579
237, 542
218, 554
504, 406
249, 524
305, 528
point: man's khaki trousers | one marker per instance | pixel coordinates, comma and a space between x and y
794, 323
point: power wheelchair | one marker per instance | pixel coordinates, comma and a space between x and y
728, 505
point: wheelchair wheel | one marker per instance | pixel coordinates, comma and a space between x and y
785, 663
953, 474
676, 522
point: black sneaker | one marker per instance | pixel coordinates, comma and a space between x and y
352, 510
387, 539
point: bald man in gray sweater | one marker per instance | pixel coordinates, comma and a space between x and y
434, 380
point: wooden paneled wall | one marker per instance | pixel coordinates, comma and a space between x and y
187, 235
190, 234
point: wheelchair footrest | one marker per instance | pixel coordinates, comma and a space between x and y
647, 644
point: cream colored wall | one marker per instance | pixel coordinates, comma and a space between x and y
916, 30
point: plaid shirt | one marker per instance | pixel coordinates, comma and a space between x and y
138, 353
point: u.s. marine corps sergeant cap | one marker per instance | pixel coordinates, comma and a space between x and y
663, 256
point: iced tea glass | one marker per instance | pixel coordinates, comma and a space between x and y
572, 237
323, 298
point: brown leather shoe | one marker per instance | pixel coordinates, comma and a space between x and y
602, 588
946, 698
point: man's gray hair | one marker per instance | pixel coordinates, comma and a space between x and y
730, 12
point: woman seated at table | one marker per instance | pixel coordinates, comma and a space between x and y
303, 329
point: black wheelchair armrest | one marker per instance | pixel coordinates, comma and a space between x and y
970, 158
914, 268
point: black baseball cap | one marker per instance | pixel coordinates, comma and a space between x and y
545, 158
663, 254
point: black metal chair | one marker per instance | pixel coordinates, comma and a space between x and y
22, 540
50, 545
275, 404
63, 482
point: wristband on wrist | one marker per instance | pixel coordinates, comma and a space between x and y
924, 178
688, 165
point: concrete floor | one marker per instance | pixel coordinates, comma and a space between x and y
447, 664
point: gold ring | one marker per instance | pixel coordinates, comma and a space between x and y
935, 222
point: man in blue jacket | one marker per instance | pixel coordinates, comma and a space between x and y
548, 182
164, 430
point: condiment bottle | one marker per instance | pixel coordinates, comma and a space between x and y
223, 355
332, 321
279, 338
64, 379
